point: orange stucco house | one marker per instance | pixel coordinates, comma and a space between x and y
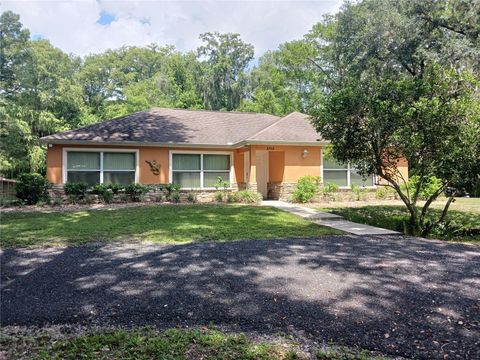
262, 152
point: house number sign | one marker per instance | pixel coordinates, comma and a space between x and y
270, 148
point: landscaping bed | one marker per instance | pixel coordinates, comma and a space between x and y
159, 224
45, 208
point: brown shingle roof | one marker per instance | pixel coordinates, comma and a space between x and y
295, 127
179, 126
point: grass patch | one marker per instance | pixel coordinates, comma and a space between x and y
173, 344
345, 353
149, 344
469, 205
162, 224
462, 222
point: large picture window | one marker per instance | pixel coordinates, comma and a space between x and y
344, 175
103, 167
199, 170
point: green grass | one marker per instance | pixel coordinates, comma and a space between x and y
462, 221
345, 353
162, 224
174, 344
469, 205
148, 344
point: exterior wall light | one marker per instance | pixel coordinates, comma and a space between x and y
305, 153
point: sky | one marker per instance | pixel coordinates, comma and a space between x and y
82, 27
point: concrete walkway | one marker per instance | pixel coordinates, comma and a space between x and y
328, 219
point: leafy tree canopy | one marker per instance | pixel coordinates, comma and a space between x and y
394, 91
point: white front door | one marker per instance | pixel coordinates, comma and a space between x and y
262, 172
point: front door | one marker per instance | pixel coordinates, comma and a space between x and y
262, 172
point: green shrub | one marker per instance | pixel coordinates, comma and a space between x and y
31, 188
99, 188
115, 188
175, 197
160, 197
329, 190
385, 192
219, 196
75, 191
230, 198
105, 191
136, 192
306, 188
170, 189
432, 185
192, 197
427, 189
380, 193
220, 183
247, 197
358, 192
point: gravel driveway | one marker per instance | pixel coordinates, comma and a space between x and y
399, 295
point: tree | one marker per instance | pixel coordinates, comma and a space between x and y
269, 89
226, 59
38, 97
130, 79
286, 79
13, 51
393, 93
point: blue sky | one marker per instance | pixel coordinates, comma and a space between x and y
106, 18
91, 26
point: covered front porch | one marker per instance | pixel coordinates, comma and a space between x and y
274, 170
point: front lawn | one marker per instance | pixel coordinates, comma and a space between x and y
174, 344
162, 224
462, 222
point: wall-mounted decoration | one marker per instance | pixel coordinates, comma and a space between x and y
154, 167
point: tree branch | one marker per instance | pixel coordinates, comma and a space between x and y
443, 24
429, 201
406, 200
321, 69
429, 228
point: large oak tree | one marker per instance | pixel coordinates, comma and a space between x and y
401, 84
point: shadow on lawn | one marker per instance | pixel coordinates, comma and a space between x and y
398, 295
458, 225
163, 223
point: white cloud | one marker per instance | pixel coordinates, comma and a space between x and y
72, 25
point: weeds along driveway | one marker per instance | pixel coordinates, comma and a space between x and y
396, 294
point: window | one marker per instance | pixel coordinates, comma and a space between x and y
199, 170
104, 167
344, 175
118, 168
83, 167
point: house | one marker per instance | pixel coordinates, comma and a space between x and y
193, 148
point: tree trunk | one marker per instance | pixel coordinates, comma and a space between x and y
428, 229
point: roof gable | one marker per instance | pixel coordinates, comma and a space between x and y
295, 127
